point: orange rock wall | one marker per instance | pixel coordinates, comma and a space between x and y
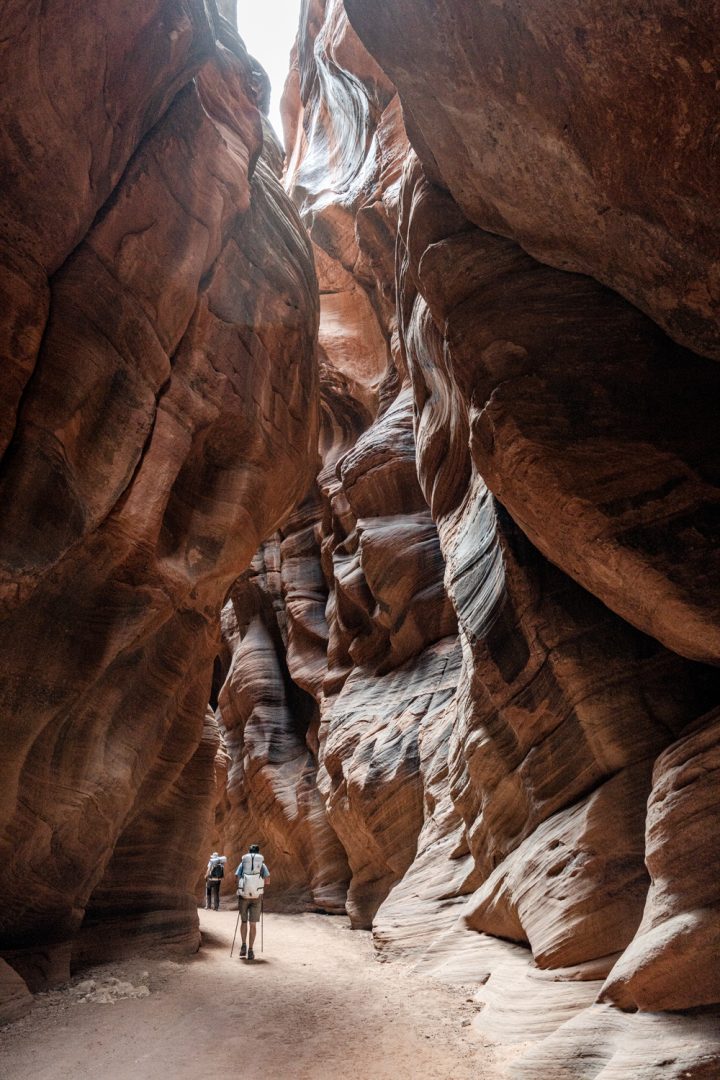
511, 634
159, 419
353, 588
584, 134
437, 433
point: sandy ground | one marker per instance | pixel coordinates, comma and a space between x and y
315, 1005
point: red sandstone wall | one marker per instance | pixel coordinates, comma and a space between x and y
159, 419
472, 678
515, 632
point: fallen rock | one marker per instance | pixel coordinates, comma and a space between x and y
107, 991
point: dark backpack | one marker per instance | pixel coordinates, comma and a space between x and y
217, 872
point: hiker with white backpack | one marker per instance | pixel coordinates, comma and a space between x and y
251, 874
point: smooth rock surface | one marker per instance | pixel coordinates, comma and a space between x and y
513, 640
168, 425
672, 962
71, 120
270, 724
584, 134
602, 1043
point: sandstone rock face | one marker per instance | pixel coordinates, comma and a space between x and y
361, 612
538, 728
160, 419
509, 624
271, 728
352, 592
669, 964
605, 472
347, 145
341, 640
562, 708
144, 894
387, 656
536, 120
615, 1045
15, 997
467, 545
61, 162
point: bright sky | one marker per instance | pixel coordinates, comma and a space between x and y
268, 28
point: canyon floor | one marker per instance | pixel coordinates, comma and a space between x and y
315, 1005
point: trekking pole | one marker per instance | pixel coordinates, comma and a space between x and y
262, 921
236, 930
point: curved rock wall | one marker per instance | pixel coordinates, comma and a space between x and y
472, 669
368, 629
345, 159
514, 640
545, 721
537, 120
270, 727
160, 319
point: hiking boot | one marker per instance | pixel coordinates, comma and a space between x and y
251, 954
243, 950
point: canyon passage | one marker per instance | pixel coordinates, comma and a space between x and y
360, 498
288, 1016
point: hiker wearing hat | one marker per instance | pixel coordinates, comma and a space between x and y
213, 876
251, 874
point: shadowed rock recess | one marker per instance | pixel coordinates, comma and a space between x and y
437, 431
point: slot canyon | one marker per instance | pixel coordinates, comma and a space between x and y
360, 494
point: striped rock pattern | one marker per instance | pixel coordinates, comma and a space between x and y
523, 781
159, 419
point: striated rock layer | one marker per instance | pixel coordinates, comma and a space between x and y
159, 419
507, 619
352, 590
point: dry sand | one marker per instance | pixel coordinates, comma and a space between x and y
315, 1005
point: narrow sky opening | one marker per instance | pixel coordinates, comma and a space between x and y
268, 28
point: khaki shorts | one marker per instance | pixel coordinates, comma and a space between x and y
249, 910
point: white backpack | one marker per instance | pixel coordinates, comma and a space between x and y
252, 883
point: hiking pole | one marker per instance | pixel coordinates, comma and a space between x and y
262, 921
236, 930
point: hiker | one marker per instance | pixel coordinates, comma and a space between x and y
251, 874
213, 876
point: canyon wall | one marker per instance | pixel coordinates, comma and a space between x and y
413, 449
496, 612
159, 420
